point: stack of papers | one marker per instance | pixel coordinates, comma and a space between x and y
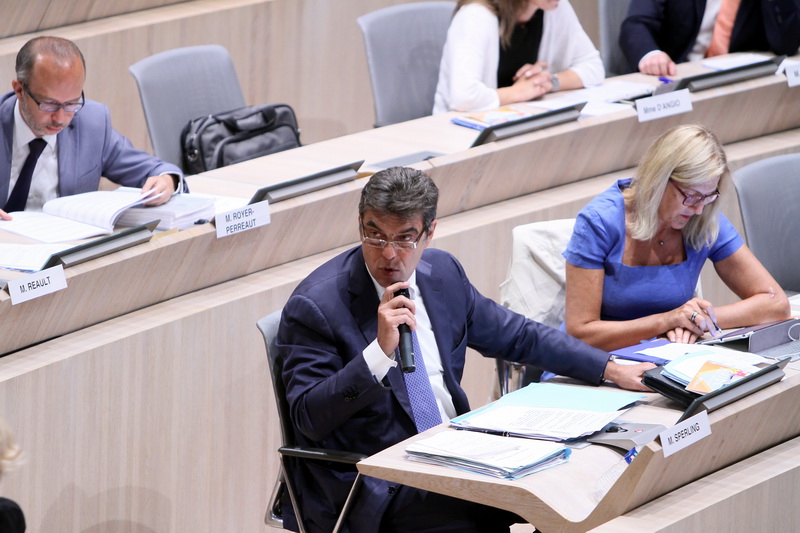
502, 457
610, 91
180, 212
549, 411
28, 257
735, 60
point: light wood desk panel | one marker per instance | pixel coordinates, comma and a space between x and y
756, 494
576, 497
175, 264
38, 15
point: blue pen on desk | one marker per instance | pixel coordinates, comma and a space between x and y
662, 79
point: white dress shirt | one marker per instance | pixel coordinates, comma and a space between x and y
44, 182
379, 363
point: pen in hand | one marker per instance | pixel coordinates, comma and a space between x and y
716, 331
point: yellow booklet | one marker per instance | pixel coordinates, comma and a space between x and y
713, 376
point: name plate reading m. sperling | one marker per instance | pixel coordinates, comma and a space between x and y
685, 433
664, 105
36, 285
242, 219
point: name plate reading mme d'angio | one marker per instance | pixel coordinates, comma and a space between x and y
242, 219
664, 105
36, 285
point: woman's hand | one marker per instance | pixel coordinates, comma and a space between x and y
681, 335
527, 70
688, 322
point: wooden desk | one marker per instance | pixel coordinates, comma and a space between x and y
592, 489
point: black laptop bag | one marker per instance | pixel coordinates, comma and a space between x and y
223, 139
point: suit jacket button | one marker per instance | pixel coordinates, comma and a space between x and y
392, 490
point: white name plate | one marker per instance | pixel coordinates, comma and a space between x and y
685, 434
664, 105
242, 219
792, 70
36, 285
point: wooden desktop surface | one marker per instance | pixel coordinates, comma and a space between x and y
585, 492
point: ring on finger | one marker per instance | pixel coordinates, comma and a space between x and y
694, 315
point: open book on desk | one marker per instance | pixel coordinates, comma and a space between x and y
75, 217
549, 411
501, 457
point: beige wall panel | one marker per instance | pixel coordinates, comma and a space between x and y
25, 16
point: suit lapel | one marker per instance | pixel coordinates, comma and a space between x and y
67, 162
6, 145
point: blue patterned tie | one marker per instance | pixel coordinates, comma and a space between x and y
420, 393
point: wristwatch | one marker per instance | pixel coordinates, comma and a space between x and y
555, 82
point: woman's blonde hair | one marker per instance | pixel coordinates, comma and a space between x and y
507, 12
9, 451
689, 154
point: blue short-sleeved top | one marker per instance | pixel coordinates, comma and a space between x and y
598, 241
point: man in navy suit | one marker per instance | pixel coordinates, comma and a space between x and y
47, 102
338, 335
659, 33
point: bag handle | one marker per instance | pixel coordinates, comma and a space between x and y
264, 117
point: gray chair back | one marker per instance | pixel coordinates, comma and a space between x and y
182, 84
769, 195
404, 49
611, 13
291, 454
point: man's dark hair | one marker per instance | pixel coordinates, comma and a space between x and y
62, 49
401, 191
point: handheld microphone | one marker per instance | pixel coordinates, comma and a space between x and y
406, 344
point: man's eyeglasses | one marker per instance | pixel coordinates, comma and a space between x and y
52, 107
692, 200
397, 245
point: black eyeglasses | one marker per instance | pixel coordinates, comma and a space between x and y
692, 200
397, 245
52, 107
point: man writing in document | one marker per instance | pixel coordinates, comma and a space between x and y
55, 142
339, 334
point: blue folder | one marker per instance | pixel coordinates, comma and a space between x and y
632, 352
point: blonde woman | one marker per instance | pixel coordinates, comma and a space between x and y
637, 249
505, 51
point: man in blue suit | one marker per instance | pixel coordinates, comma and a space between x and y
338, 335
47, 103
659, 33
